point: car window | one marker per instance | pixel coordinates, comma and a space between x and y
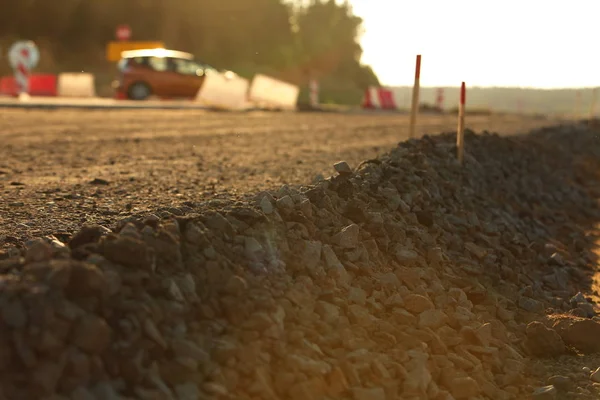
125, 62
157, 63
186, 67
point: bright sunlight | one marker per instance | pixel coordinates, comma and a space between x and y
534, 43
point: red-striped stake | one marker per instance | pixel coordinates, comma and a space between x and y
439, 101
460, 133
415, 98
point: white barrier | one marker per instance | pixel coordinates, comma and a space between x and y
267, 92
75, 85
224, 92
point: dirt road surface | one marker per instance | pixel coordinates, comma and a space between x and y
60, 169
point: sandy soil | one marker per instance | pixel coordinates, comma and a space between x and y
61, 169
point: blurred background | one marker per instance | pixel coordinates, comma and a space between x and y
521, 47
290, 40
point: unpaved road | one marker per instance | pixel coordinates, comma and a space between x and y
146, 159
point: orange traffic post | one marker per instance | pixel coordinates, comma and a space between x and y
415, 98
460, 133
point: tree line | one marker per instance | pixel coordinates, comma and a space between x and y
294, 40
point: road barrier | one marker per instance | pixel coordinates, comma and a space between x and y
270, 93
380, 99
76, 85
224, 92
39, 85
48, 85
219, 90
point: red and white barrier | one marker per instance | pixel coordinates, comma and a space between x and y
39, 85
76, 85
266, 92
379, 98
224, 92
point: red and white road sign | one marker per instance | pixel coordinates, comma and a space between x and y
123, 32
23, 56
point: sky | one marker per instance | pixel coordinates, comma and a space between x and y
516, 43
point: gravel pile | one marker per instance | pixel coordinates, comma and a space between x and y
406, 278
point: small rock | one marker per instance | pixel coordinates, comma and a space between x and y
368, 394
99, 181
544, 393
348, 237
433, 319
81, 393
328, 312
578, 298
129, 252
266, 206
531, 305
477, 251
588, 310
357, 296
417, 303
88, 234
542, 341
406, 255
153, 333
582, 334
47, 375
187, 391
92, 334
595, 376
236, 286
105, 391
342, 168
464, 388
14, 313
38, 250
560, 382
285, 203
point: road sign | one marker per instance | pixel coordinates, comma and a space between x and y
114, 49
23, 53
23, 56
123, 32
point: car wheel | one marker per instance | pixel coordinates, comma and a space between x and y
139, 91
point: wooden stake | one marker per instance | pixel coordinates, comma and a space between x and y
460, 133
415, 98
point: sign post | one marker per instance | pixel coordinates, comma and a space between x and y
23, 56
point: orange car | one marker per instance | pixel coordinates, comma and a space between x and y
159, 72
